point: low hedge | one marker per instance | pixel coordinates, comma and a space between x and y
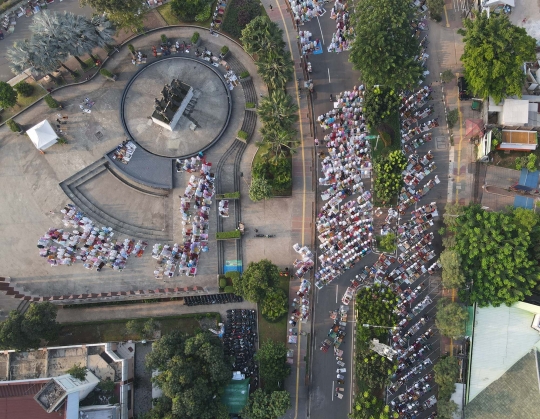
13, 126
229, 289
195, 37
244, 74
224, 49
51, 102
106, 73
228, 195
243, 135
225, 235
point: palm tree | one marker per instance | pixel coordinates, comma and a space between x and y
280, 141
24, 55
73, 34
278, 108
52, 55
261, 34
276, 69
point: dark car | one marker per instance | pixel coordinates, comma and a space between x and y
463, 89
1, 35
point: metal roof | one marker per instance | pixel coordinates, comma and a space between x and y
502, 336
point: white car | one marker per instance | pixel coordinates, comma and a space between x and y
341, 370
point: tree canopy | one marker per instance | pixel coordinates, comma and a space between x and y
451, 318
384, 49
452, 277
260, 189
379, 104
8, 95
495, 51
272, 358
25, 331
260, 35
257, 280
193, 373
275, 305
188, 9
263, 405
446, 375
126, 14
499, 254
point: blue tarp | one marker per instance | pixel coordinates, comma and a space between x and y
523, 202
529, 179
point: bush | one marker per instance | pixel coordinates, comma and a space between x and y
131, 48
250, 105
51, 102
244, 74
164, 39
242, 135
232, 275
387, 243
106, 73
24, 89
224, 49
452, 118
229, 289
195, 37
190, 10
78, 372
222, 282
13, 126
8, 95
61, 140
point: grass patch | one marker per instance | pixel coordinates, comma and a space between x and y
276, 331
225, 235
24, 102
170, 18
115, 330
390, 128
228, 195
90, 64
508, 159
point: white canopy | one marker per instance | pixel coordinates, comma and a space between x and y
42, 135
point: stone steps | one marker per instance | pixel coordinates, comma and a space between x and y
250, 121
70, 188
147, 190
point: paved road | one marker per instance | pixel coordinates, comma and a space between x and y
332, 73
22, 31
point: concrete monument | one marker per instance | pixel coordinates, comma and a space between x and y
174, 100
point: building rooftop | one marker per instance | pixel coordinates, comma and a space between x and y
502, 336
515, 395
17, 402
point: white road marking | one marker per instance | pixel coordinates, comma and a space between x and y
322, 36
329, 76
333, 382
337, 289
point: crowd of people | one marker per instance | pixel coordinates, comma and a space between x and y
124, 151
307, 44
303, 11
86, 243
343, 37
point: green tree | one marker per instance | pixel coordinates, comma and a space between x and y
451, 318
273, 367
125, 14
261, 35
107, 385
531, 162
499, 254
274, 306
384, 49
275, 68
452, 277
25, 331
280, 140
161, 409
24, 89
495, 51
379, 104
77, 371
278, 109
446, 375
388, 177
259, 189
387, 243
193, 373
8, 95
436, 9
263, 405
446, 409
188, 9
451, 213
259, 278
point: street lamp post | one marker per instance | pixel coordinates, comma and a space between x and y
382, 327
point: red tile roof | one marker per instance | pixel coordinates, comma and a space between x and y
17, 402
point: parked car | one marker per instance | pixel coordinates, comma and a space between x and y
463, 89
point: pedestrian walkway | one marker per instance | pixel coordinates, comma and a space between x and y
302, 203
137, 311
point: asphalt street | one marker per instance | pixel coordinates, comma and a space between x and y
22, 31
333, 73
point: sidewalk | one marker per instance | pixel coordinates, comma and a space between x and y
303, 199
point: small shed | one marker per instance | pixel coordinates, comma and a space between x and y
236, 395
43, 135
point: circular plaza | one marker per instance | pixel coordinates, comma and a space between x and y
199, 122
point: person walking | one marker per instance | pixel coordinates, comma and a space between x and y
271, 8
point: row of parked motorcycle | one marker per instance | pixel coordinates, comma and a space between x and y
29, 8
239, 341
201, 300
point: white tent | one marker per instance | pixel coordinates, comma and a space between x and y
42, 135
